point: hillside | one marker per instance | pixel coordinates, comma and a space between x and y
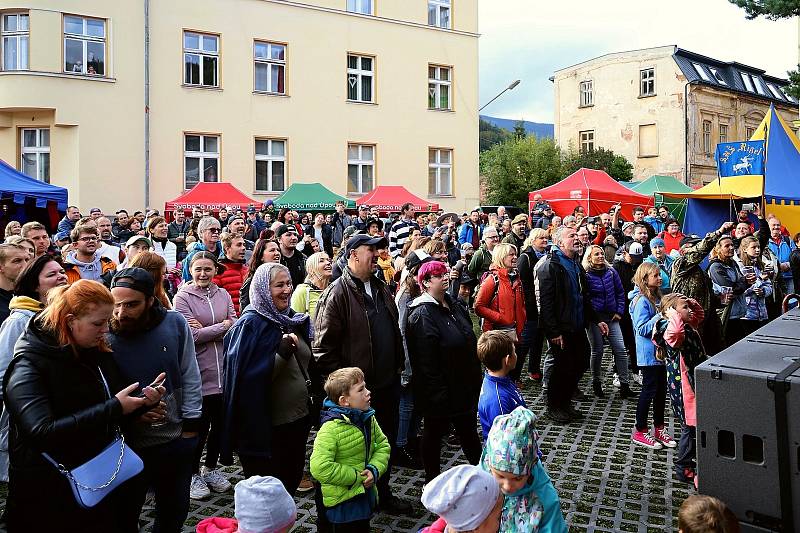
532, 128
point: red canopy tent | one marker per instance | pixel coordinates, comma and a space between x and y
595, 190
213, 196
392, 197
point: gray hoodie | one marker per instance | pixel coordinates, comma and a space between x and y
92, 270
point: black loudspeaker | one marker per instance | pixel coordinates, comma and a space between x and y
748, 426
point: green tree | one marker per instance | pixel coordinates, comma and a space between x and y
519, 129
775, 10
771, 9
489, 135
614, 165
518, 166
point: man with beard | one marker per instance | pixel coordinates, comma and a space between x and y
519, 229
85, 261
147, 340
107, 247
642, 235
357, 325
209, 231
177, 231
291, 257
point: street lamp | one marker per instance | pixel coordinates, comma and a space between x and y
509, 88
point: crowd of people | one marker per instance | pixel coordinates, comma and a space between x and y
237, 332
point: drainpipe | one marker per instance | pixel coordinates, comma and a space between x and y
686, 169
147, 103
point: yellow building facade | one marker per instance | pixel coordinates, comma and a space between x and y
664, 109
128, 104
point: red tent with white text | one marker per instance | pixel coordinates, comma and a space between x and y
391, 198
595, 190
213, 196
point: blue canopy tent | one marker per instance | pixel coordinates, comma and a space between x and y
24, 198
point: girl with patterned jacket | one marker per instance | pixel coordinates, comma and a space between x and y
510, 455
677, 335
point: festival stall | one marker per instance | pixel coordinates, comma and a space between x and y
213, 196
710, 206
390, 198
595, 190
658, 184
310, 197
23, 198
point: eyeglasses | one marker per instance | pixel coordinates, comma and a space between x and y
214, 230
88, 239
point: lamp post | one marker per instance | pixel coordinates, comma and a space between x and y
509, 88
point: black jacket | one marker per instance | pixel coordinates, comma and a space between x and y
525, 264
57, 404
556, 301
444, 360
327, 239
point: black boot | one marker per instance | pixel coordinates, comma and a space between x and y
625, 391
598, 389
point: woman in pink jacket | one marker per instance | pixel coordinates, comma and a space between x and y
210, 313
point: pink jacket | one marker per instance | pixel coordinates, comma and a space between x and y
674, 336
209, 307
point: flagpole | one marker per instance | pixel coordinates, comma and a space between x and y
764, 173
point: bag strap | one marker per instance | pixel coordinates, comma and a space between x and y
61, 468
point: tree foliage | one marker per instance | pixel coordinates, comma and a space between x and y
519, 129
771, 9
514, 168
489, 135
612, 164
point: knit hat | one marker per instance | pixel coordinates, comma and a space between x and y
262, 505
657, 241
464, 496
513, 443
626, 225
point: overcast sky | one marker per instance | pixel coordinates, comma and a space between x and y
531, 39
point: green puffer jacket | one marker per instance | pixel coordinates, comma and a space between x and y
338, 457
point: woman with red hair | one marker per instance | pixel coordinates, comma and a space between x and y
445, 367
65, 398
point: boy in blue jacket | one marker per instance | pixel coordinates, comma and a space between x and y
499, 394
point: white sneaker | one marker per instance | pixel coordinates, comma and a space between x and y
616, 381
637, 377
215, 480
198, 490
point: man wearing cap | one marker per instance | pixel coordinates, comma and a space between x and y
480, 262
360, 222
209, 230
177, 231
472, 230
237, 226
564, 312
72, 216
689, 279
357, 325
147, 340
134, 246
519, 229
85, 261
401, 230
291, 257
95, 212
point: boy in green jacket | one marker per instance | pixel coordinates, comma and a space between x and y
350, 453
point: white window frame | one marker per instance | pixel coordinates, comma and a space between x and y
586, 140
439, 168
438, 8
748, 82
586, 89
84, 38
201, 54
436, 85
759, 85
701, 71
362, 7
38, 151
275, 67
21, 37
360, 73
202, 155
775, 91
361, 163
706, 128
717, 76
647, 82
271, 158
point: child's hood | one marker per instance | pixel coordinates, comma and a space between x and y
512, 443
332, 411
633, 293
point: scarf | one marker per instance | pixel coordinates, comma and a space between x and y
261, 300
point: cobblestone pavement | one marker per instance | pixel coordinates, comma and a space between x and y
604, 481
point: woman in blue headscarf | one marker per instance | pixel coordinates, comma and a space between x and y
265, 388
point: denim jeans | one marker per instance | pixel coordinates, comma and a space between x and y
617, 342
530, 341
407, 422
687, 449
654, 389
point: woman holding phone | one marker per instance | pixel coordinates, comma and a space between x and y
730, 285
755, 296
65, 397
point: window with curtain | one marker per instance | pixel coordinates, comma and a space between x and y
15, 32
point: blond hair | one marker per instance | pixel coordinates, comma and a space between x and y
535, 233
640, 278
339, 382
586, 262
314, 271
500, 252
706, 514
670, 301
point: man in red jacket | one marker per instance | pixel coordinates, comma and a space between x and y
231, 279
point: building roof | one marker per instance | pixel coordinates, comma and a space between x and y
732, 76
